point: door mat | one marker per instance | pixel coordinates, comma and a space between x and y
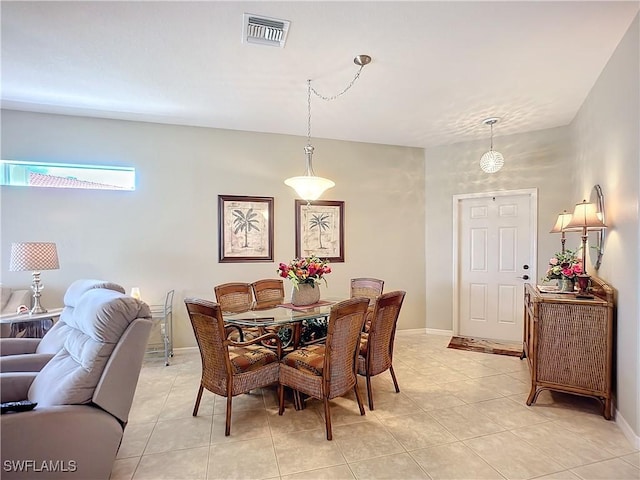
486, 346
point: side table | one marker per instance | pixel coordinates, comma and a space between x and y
30, 325
568, 342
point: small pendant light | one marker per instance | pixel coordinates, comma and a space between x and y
491, 161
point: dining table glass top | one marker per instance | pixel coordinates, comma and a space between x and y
278, 315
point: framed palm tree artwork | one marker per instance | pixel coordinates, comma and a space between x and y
245, 229
320, 229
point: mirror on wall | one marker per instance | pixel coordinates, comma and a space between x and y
596, 237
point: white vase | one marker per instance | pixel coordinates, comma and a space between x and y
305, 294
566, 284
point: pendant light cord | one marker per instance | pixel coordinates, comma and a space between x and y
491, 148
326, 98
309, 112
333, 97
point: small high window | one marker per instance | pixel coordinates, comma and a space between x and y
66, 175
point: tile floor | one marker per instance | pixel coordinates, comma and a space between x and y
459, 415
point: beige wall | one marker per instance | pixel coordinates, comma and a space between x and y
532, 160
164, 235
601, 146
607, 152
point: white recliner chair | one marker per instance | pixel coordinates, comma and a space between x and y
31, 354
83, 393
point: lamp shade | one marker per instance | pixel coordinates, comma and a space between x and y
585, 216
33, 256
561, 224
309, 187
491, 161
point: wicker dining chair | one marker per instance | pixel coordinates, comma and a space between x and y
326, 371
370, 288
268, 292
376, 346
229, 368
236, 297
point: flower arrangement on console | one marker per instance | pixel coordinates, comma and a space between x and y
564, 265
309, 270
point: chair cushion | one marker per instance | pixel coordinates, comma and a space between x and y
308, 359
368, 316
80, 287
252, 357
364, 340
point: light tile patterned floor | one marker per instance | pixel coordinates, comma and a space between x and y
459, 415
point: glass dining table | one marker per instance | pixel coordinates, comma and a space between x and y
296, 326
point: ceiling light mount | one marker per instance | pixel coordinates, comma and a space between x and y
309, 186
491, 161
362, 60
491, 120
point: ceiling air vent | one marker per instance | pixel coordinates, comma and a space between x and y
264, 30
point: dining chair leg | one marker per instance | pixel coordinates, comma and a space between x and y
359, 399
327, 418
395, 381
227, 425
297, 400
198, 397
280, 399
369, 392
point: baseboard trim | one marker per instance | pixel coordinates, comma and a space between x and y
436, 331
411, 331
627, 430
186, 349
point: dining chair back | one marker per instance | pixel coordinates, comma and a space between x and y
370, 288
234, 297
376, 346
326, 371
366, 287
229, 368
268, 292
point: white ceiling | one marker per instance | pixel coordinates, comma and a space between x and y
438, 69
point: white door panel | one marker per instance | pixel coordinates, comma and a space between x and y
495, 239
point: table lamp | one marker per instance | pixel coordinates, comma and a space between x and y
561, 226
34, 256
585, 218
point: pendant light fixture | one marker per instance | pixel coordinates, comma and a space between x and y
309, 186
491, 161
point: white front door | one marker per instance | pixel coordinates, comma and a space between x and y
495, 256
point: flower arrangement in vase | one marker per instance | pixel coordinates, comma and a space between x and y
305, 273
564, 266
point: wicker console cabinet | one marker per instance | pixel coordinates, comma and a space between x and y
568, 342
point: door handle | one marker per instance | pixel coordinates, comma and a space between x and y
524, 277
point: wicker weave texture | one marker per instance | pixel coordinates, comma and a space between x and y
342, 345
268, 292
379, 356
570, 350
366, 287
234, 297
217, 371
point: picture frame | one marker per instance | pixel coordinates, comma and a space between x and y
245, 229
320, 229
